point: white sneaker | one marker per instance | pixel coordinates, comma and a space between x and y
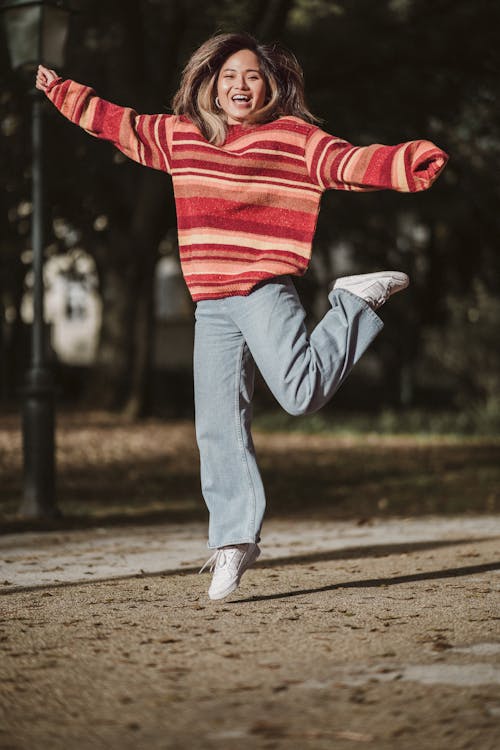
228, 565
374, 288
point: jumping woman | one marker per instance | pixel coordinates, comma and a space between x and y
249, 165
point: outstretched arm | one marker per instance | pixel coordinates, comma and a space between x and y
143, 138
407, 167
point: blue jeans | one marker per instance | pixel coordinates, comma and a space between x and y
267, 329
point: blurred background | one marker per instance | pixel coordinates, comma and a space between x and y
119, 318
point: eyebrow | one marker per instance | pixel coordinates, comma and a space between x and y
248, 70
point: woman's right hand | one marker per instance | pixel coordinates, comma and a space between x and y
44, 77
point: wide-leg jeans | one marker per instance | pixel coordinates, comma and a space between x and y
264, 329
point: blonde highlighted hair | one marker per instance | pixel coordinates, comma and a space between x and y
280, 69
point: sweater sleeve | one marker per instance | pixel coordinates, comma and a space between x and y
407, 167
146, 139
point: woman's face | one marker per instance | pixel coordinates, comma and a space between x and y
240, 86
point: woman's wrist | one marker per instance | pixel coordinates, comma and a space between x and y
53, 83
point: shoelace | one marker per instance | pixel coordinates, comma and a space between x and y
214, 559
383, 296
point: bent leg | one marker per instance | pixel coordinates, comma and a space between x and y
303, 372
224, 380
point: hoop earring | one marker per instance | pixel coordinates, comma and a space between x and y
217, 102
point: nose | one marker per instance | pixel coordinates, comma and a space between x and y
243, 85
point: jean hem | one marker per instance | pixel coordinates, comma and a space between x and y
233, 543
363, 304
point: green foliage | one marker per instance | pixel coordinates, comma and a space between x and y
467, 349
476, 420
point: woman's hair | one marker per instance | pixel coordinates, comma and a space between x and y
280, 69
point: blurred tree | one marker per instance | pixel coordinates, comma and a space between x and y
464, 350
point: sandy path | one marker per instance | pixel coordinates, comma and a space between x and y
383, 647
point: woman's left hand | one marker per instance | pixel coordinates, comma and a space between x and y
44, 78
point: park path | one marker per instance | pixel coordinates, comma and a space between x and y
383, 635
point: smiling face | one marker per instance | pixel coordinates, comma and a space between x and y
241, 88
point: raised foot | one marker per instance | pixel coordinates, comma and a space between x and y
374, 288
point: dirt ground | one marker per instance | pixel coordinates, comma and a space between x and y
383, 648
331, 645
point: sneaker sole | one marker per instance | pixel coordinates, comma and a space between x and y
399, 276
229, 590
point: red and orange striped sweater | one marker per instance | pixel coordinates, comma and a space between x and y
247, 210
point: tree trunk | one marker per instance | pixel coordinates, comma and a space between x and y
120, 378
138, 400
154, 208
106, 386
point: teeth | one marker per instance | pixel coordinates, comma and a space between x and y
240, 98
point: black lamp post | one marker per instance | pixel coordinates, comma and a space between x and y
36, 33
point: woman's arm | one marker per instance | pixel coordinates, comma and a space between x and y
146, 139
407, 167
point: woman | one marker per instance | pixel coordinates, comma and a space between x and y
249, 166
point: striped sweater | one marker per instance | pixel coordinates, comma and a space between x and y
247, 210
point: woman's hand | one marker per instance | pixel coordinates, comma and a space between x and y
44, 77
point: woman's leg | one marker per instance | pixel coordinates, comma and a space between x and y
224, 380
302, 371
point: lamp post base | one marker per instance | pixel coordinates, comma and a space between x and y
38, 446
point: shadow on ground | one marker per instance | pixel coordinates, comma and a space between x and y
310, 559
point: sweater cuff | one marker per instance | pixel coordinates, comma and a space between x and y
53, 83
429, 165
